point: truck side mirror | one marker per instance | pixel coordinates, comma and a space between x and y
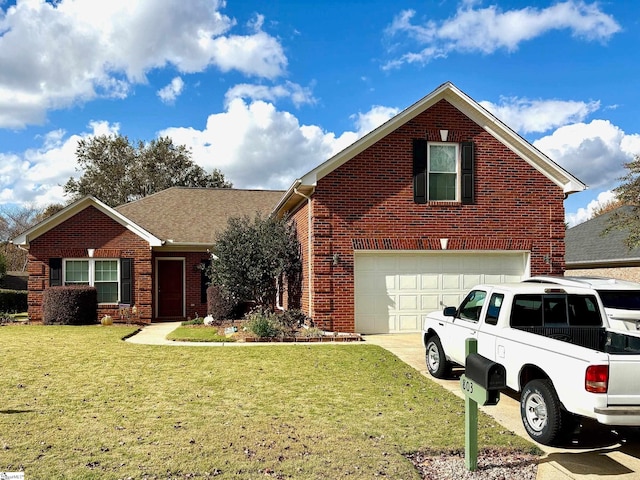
449, 311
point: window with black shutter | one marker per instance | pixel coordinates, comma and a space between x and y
443, 171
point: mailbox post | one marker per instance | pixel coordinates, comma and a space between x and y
481, 383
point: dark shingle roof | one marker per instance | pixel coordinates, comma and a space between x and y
586, 245
197, 215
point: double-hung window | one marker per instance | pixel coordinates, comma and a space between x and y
103, 274
442, 171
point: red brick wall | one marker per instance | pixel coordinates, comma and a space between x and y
301, 219
90, 228
370, 200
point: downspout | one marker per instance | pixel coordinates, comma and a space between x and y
310, 264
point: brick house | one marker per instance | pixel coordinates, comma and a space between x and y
437, 199
146, 254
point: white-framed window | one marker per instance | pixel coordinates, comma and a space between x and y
102, 273
443, 171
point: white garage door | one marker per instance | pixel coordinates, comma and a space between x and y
394, 289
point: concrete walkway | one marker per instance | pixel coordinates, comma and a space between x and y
595, 452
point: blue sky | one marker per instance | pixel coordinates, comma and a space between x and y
265, 91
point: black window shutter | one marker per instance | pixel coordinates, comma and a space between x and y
467, 172
420, 170
126, 280
204, 280
55, 272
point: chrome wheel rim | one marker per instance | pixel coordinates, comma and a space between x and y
433, 357
536, 411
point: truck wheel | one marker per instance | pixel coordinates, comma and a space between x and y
437, 363
541, 412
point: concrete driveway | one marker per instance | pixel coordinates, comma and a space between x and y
594, 451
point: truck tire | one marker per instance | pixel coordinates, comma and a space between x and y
541, 411
437, 363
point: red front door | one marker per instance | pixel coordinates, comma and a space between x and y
170, 288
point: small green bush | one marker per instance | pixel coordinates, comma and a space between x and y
195, 321
295, 318
13, 301
70, 305
263, 324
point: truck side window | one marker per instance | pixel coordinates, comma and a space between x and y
494, 308
471, 305
527, 311
583, 311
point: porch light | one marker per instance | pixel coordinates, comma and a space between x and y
336, 259
444, 134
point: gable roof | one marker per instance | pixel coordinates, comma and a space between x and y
195, 216
305, 185
585, 246
72, 209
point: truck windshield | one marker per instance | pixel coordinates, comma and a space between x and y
621, 299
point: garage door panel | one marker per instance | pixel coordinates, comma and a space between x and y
451, 282
429, 282
408, 282
468, 281
395, 289
409, 322
429, 302
407, 302
451, 300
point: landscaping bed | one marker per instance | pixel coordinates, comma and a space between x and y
240, 331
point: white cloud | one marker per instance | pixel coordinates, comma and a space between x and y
594, 152
527, 116
298, 94
586, 213
36, 176
55, 54
376, 116
170, 92
489, 29
257, 146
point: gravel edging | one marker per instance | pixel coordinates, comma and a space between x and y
493, 464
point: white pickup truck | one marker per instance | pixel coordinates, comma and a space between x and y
557, 350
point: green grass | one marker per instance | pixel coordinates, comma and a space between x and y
205, 334
78, 403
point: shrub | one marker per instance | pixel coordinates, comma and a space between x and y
13, 301
219, 304
295, 318
194, 321
263, 324
77, 305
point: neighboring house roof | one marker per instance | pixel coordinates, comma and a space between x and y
586, 246
70, 210
195, 216
305, 185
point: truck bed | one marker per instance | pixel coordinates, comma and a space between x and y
594, 338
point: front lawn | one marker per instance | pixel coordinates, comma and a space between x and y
77, 402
